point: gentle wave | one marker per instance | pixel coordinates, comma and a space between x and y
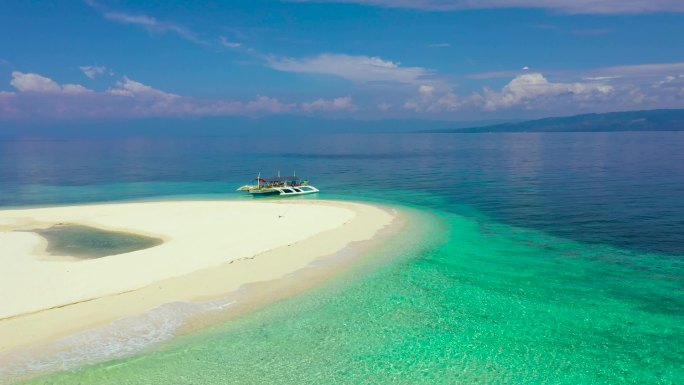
122, 337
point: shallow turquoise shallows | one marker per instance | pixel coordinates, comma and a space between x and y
490, 304
549, 259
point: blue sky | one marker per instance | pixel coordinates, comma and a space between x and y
432, 59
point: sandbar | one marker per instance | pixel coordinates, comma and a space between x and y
209, 248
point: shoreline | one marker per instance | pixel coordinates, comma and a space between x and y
272, 274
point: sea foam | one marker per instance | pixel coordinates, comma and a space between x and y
122, 337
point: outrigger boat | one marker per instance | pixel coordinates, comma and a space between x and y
280, 185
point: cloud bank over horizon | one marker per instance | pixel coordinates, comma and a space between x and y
571, 6
608, 89
376, 59
37, 96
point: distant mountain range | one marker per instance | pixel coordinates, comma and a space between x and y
649, 120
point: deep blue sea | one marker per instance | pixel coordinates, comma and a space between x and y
557, 257
624, 189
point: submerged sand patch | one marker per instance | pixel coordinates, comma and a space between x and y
86, 242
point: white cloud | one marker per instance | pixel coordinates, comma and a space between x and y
267, 104
667, 80
433, 99
600, 78
41, 96
449, 102
641, 70
147, 22
426, 90
568, 6
133, 89
534, 90
656, 85
74, 89
194, 107
93, 71
439, 45
496, 74
527, 91
230, 44
153, 25
670, 85
30, 82
360, 69
634, 74
337, 104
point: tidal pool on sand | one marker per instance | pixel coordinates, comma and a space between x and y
89, 242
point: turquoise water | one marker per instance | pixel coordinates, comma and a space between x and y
494, 304
550, 268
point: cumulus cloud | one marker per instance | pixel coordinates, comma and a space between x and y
434, 99
638, 74
426, 90
534, 90
359, 69
569, 6
31, 82
337, 104
39, 96
670, 85
654, 85
93, 71
28, 82
524, 93
75, 89
267, 104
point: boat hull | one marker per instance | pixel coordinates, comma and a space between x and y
285, 191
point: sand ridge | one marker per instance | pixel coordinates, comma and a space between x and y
210, 249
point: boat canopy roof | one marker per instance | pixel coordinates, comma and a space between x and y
280, 179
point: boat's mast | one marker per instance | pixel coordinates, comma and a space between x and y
258, 179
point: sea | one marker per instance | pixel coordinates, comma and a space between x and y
551, 258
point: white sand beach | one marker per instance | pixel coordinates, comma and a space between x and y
209, 248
